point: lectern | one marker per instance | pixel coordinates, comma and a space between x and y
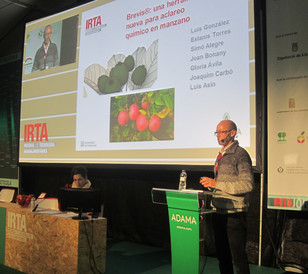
185, 208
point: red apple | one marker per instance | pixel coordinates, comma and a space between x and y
123, 118
155, 123
145, 105
142, 123
133, 112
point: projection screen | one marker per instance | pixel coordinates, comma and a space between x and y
138, 82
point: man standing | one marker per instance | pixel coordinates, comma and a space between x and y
233, 182
47, 55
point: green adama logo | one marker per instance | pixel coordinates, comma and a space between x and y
183, 219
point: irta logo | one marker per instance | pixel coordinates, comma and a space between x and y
93, 22
17, 221
35, 132
283, 202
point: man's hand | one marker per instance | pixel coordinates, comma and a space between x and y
208, 182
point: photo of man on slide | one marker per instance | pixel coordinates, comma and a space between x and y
47, 55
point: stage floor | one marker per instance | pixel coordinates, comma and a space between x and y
127, 257
132, 258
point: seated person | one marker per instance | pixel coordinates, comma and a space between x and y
80, 178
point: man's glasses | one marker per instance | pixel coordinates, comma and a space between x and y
221, 132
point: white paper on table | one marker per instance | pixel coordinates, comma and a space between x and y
6, 195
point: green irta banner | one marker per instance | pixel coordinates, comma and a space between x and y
2, 234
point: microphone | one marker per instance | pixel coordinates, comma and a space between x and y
34, 209
36, 206
224, 140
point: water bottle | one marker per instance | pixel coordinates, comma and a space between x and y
182, 183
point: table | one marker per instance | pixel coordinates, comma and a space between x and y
32, 242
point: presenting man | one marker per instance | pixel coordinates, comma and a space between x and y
233, 182
47, 55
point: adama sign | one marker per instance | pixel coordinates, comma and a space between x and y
183, 219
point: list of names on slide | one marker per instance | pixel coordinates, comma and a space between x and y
209, 49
